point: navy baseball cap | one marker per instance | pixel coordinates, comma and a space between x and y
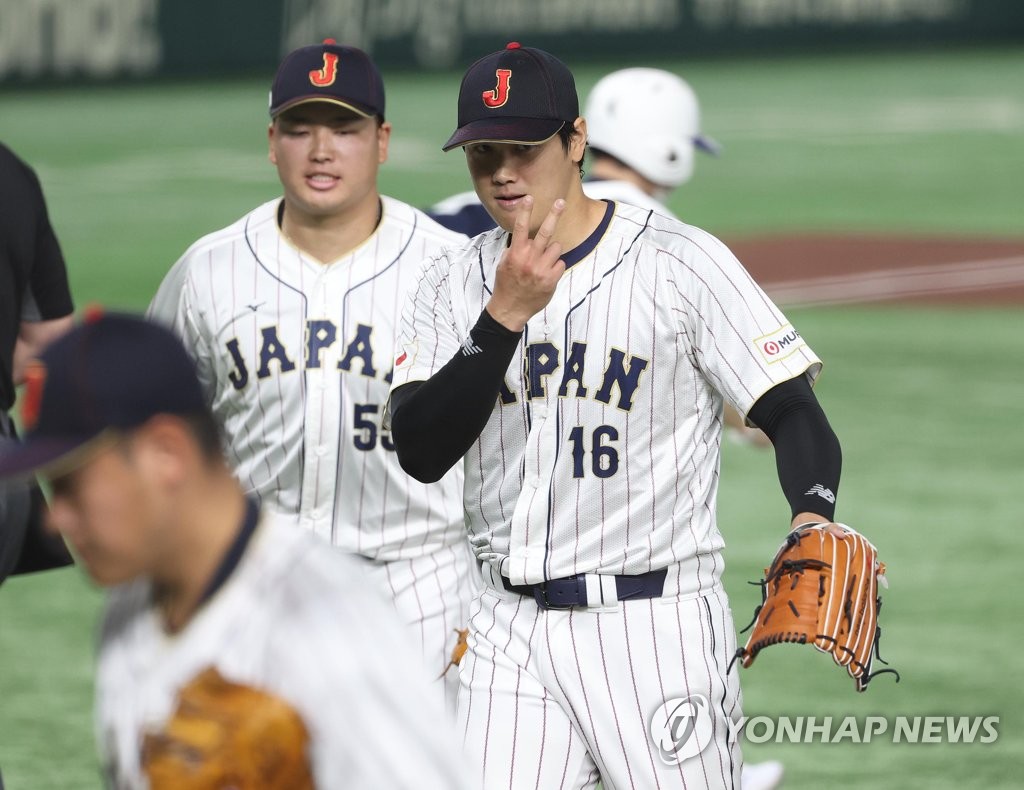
114, 371
516, 95
332, 73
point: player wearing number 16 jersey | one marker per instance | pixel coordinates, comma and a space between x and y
578, 358
290, 313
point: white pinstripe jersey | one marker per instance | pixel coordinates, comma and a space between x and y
322, 638
602, 453
296, 359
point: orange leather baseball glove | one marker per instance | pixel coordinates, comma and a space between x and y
823, 590
227, 735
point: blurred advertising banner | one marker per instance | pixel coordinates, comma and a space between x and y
63, 40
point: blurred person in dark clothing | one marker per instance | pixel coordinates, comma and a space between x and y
35, 308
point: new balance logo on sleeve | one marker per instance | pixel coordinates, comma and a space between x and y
819, 490
469, 348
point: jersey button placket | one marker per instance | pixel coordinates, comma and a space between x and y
322, 398
542, 444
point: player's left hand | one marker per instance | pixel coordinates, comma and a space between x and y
822, 589
813, 518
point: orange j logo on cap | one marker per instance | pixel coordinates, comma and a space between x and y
327, 74
498, 95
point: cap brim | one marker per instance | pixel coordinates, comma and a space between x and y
518, 131
21, 460
362, 112
707, 145
53, 456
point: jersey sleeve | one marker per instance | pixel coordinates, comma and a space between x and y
739, 339
176, 306
427, 334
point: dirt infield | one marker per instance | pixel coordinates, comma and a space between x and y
850, 269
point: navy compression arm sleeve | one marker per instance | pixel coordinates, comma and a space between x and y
434, 422
807, 451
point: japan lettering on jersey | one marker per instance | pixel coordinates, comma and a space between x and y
300, 621
607, 429
296, 357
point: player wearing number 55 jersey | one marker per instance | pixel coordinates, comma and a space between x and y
290, 313
578, 357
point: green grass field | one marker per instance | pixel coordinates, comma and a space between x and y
927, 401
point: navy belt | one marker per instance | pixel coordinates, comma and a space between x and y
572, 590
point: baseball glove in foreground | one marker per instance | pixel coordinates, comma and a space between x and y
822, 590
226, 735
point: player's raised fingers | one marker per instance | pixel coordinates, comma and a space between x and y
547, 227
521, 227
551, 256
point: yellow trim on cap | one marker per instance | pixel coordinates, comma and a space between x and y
79, 456
325, 100
509, 142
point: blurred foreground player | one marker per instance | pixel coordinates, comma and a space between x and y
235, 650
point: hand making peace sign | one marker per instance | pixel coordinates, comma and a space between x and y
529, 271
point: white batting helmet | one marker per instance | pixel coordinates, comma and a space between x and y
650, 120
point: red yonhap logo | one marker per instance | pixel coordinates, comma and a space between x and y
498, 95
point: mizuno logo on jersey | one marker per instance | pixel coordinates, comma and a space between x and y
819, 490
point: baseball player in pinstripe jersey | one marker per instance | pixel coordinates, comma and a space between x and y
643, 131
236, 650
291, 312
578, 358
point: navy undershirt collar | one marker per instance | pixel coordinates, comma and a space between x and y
582, 250
235, 551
